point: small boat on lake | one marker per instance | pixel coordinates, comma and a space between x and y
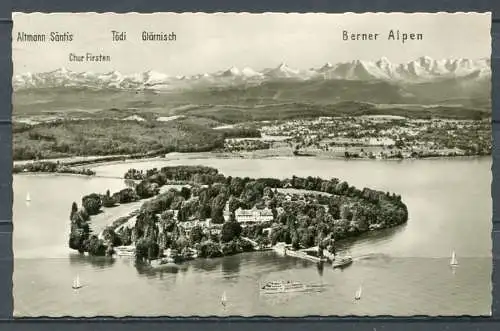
163, 262
357, 296
28, 198
342, 262
76, 283
275, 287
281, 248
189, 254
171, 259
453, 260
223, 299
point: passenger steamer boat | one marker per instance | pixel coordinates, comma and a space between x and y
275, 287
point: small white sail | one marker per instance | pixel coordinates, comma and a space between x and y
28, 198
76, 282
357, 296
223, 299
453, 261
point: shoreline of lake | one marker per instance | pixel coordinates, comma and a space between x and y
92, 164
383, 209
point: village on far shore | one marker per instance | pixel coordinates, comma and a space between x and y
376, 137
371, 137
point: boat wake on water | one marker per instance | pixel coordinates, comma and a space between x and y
281, 287
373, 257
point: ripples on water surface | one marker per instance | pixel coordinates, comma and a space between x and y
404, 271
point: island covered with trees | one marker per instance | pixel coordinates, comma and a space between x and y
197, 209
51, 167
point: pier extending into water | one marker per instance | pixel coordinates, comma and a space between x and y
285, 250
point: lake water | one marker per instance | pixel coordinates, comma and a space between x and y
403, 271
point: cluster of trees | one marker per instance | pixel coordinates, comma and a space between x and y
111, 137
245, 145
325, 210
309, 223
241, 133
214, 189
47, 166
474, 139
153, 234
385, 155
173, 174
81, 237
158, 228
93, 202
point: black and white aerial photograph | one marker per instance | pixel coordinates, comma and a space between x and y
236, 164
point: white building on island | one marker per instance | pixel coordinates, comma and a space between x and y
254, 215
249, 216
206, 225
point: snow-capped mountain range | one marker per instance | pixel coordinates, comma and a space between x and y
423, 69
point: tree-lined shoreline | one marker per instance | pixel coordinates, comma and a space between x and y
325, 211
114, 140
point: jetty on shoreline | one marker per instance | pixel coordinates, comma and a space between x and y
310, 254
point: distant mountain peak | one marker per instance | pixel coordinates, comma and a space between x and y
249, 72
384, 60
62, 70
425, 58
233, 70
421, 69
112, 72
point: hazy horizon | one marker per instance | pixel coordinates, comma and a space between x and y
213, 42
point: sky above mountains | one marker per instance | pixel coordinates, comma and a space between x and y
211, 42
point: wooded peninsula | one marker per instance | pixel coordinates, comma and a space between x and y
196, 208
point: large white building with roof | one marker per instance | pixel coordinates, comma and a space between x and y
250, 216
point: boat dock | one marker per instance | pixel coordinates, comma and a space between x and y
305, 256
286, 250
256, 245
125, 250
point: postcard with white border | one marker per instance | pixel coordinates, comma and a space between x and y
237, 164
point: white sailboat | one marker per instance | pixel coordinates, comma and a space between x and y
357, 296
453, 261
28, 198
223, 299
76, 283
